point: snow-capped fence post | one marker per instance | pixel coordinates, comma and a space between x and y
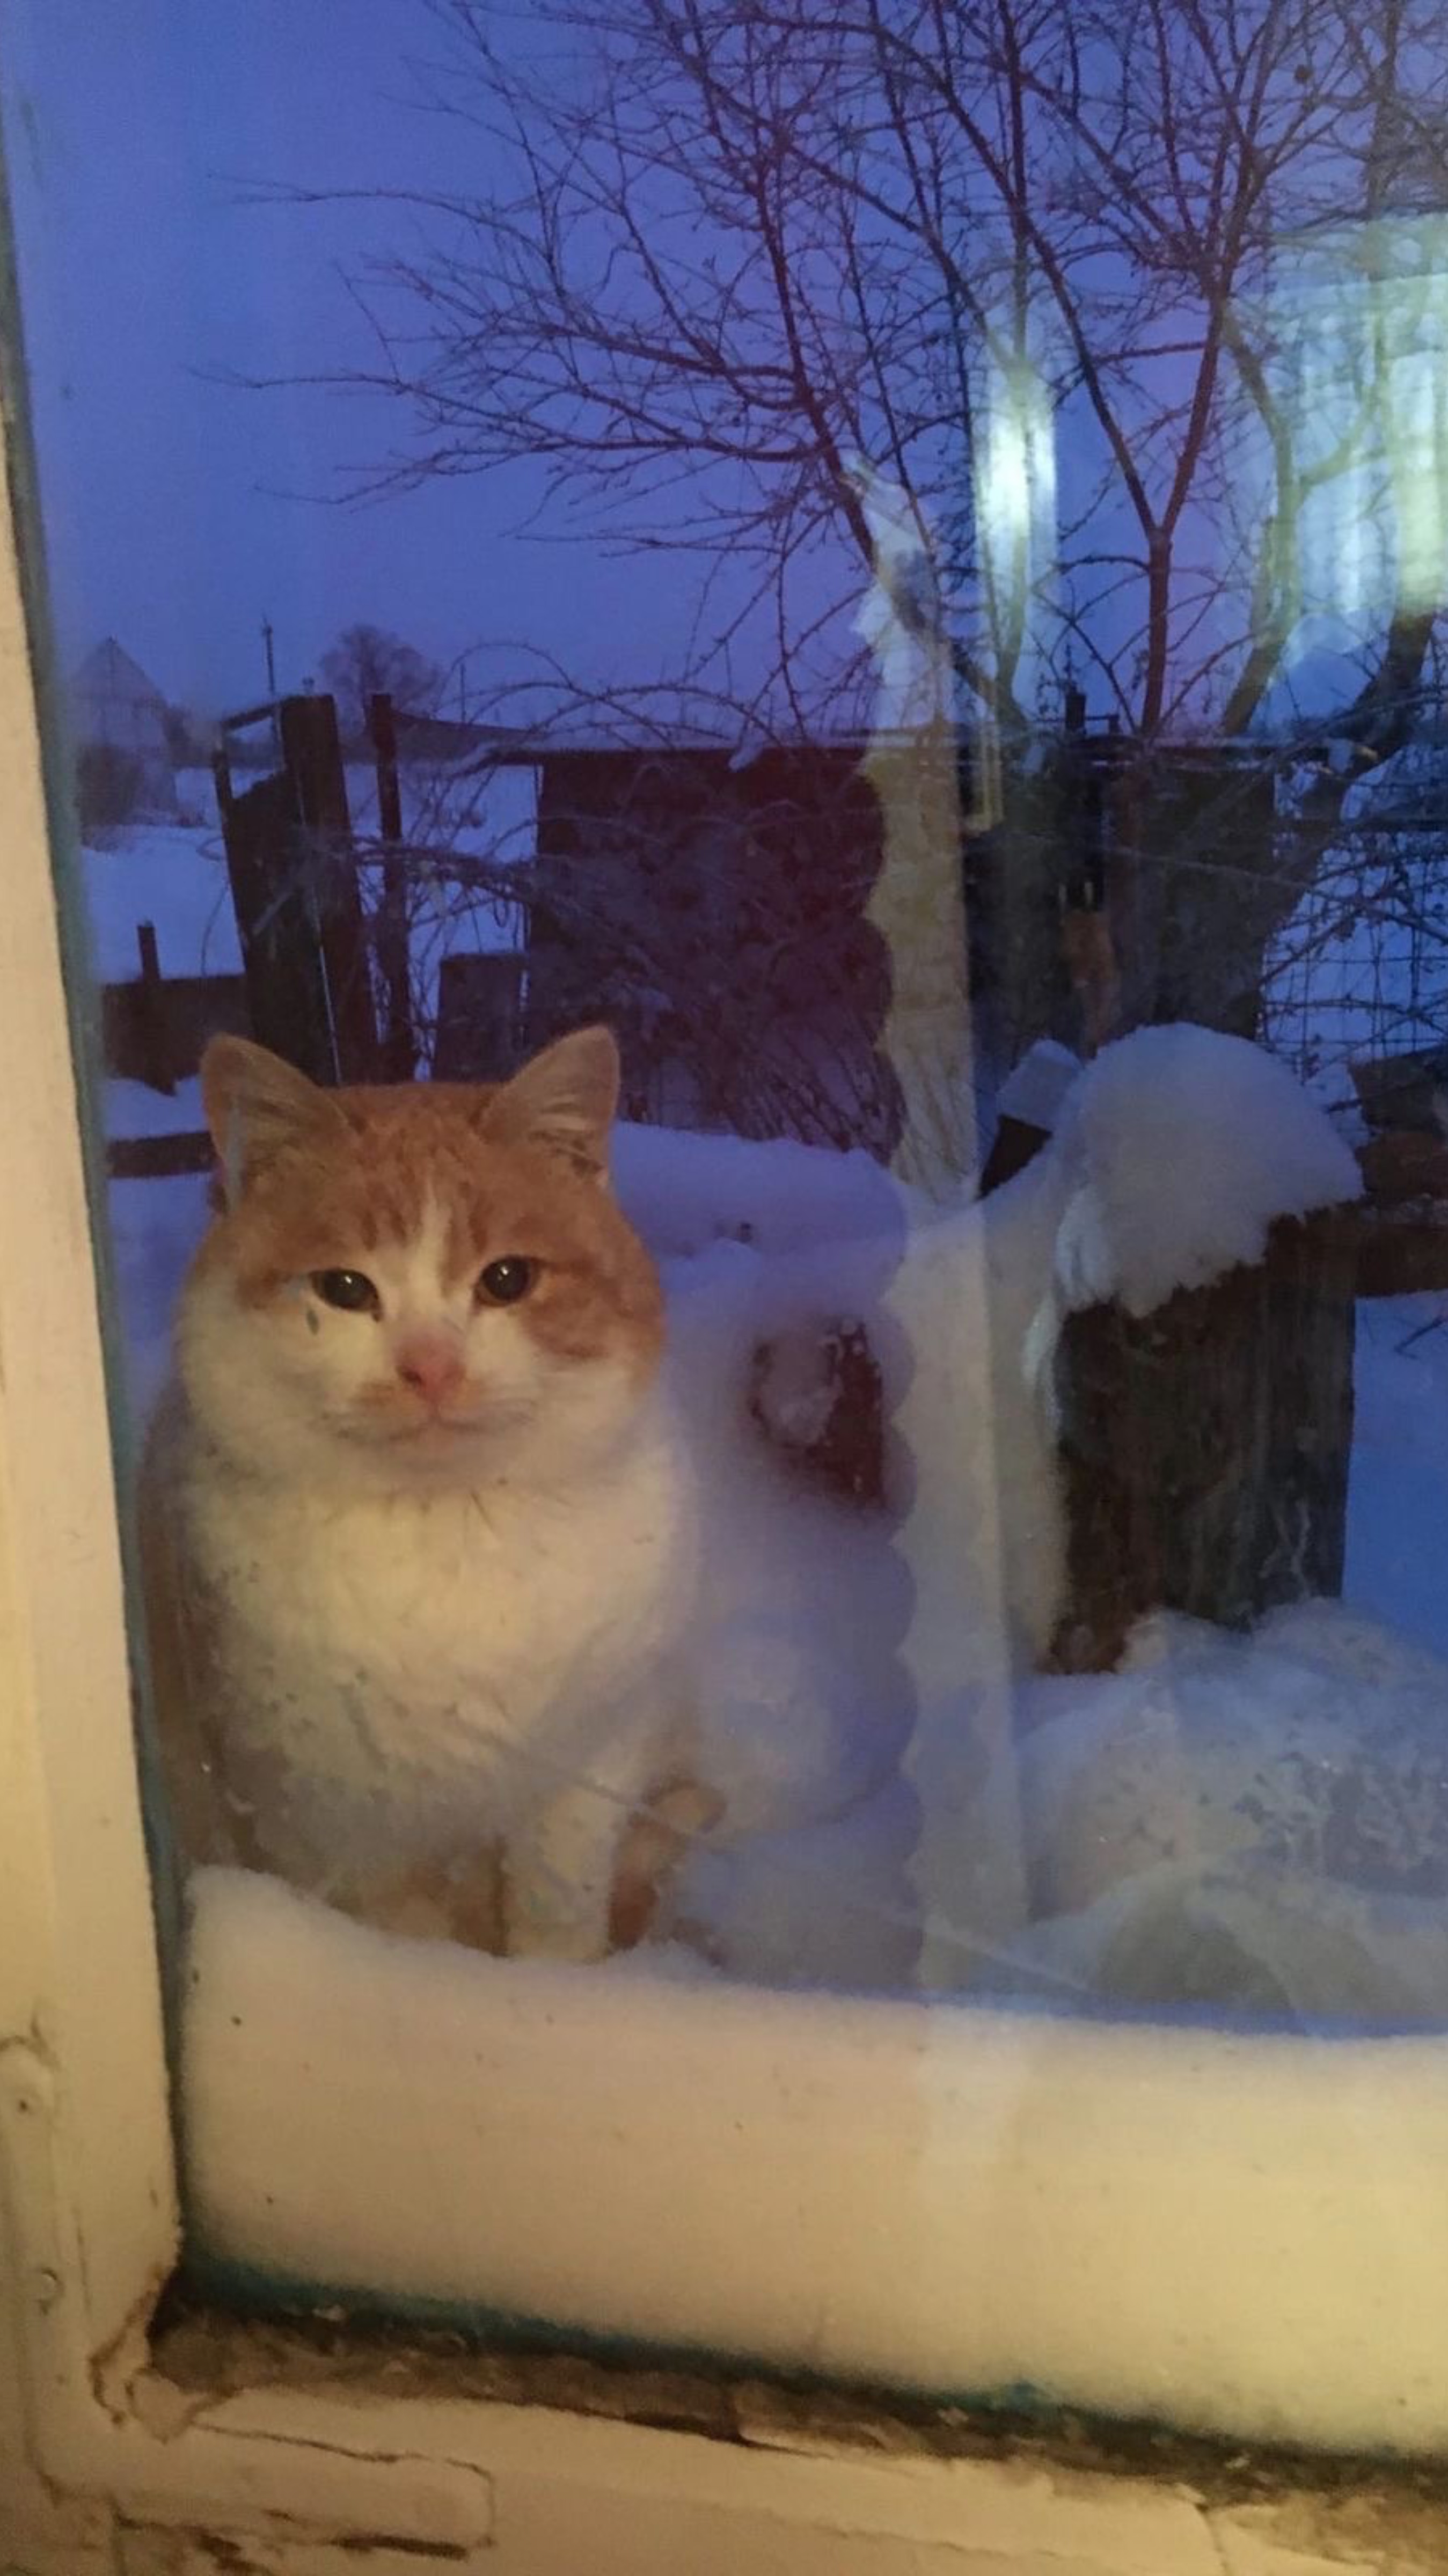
1205, 1445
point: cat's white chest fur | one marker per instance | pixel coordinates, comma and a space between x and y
406, 1676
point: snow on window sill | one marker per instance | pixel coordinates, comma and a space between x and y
1230, 2231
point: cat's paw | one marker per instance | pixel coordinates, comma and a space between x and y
430, 1901
543, 1920
656, 1843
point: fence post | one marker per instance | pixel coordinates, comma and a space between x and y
1205, 1446
294, 890
160, 1068
286, 993
312, 751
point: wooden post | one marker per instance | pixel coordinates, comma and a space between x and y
294, 889
1205, 1446
221, 772
312, 751
399, 1043
286, 990
159, 1053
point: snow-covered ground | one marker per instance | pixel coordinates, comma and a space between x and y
172, 875
134, 1109
155, 1227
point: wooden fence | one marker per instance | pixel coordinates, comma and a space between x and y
322, 981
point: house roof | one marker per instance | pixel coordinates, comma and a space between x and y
110, 672
465, 745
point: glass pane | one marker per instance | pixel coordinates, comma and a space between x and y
755, 703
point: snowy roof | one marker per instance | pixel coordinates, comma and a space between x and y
443, 738
109, 672
451, 743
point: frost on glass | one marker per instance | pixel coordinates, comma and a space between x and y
756, 699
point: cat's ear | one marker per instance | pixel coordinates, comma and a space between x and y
564, 1100
255, 1106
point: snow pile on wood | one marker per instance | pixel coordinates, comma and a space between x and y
1189, 1145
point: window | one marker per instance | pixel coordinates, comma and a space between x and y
747, 805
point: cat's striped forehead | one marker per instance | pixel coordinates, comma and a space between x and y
409, 1173
416, 1175
414, 1178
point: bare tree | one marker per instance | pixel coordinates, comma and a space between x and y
1049, 266
366, 661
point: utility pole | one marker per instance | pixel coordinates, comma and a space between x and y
268, 643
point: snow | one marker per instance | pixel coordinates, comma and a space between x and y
1034, 1091
1256, 1823
1240, 2232
133, 1109
173, 876
1189, 1145
1176, 1151
155, 1227
1194, 2189
685, 1192
1398, 1495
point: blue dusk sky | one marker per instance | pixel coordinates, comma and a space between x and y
181, 511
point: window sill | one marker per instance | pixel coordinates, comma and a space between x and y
346, 2450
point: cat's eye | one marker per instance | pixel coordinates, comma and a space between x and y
504, 1281
351, 1290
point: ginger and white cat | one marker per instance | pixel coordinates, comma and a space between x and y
420, 1531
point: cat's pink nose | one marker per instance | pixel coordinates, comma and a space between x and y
431, 1365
